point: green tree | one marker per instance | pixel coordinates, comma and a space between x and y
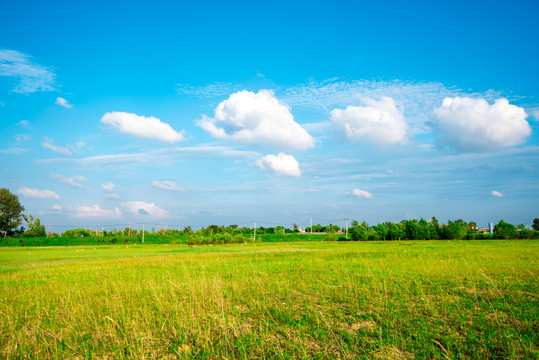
535, 225
11, 212
35, 228
358, 232
424, 229
455, 230
395, 231
412, 229
505, 230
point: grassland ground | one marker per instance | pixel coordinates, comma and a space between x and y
402, 299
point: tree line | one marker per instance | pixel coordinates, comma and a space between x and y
12, 216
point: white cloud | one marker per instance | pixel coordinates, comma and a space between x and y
113, 196
155, 157
417, 98
24, 123
14, 150
108, 186
56, 207
282, 164
167, 185
57, 149
63, 102
22, 137
362, 194
83, 211
473, 125
535, 114
217, 89
70, 180
38, 194
31, 76
141, 126
144, 208
496, 193
257, 119
379, 122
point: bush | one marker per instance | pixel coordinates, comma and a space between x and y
331, 237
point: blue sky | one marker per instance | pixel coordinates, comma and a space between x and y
193, 113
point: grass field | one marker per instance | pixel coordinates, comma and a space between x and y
394, 300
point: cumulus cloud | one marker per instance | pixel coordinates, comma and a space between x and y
108, 186
378, 122
83, 211
257, 119
167, 185
63, 102
362, 194
281, 164
141, 126
70, 180
473, 125
31, 77
496, 193
144, 208
57, 149
38, 194
113, 196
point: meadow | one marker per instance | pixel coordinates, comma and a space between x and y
386, 300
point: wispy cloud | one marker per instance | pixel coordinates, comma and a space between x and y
217, 89
22, 137
38, 194
63, 102
168, 185
15, 150
496, 193
31, 77
161, 156
70, 180
24, 123
57, 149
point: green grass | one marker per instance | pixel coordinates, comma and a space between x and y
149, 239
430, 299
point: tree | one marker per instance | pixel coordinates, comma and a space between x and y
10, 212
505, 230
35, 228
535, 225
455, 230
358, 232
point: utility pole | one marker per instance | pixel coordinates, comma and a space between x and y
346, 218
255, 233
311, 220
143, 233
